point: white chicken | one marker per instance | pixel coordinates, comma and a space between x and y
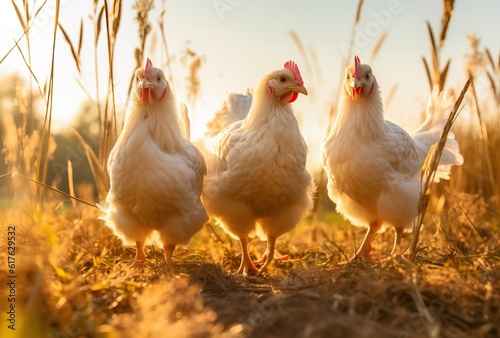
259, 184
156, 174
234, 108
373, 166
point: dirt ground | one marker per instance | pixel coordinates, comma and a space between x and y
73, 281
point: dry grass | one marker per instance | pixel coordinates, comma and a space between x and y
430, 168
73, 281
72, 277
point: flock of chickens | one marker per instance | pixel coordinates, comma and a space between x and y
257, 183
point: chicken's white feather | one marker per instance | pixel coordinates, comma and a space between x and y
234, 108
374, 166
258, 183
156, 174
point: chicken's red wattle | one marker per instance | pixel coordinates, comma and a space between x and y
150, 95
290, 97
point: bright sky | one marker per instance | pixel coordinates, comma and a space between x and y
243, 40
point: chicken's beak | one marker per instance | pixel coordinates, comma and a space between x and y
146, 90
292, 93
144, 83
356, 88
299, 89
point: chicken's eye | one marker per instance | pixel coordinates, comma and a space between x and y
137, 78
348, 76
282, 79
158, 79
367, 76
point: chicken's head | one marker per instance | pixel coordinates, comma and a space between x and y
286, 84
359, 80
151, 84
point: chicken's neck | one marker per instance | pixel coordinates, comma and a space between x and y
362, 119
162, 120
266, 109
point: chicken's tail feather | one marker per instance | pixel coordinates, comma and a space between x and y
103, 208
438, 110
185, 121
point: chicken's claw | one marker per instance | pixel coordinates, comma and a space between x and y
268, 256
140, 256
137, 264
246, 267
265, 255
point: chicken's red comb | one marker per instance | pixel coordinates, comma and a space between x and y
292, 66
148, 67
357, 72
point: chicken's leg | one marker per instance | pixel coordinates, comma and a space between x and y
265, 256
246, 266
140, 256
397, 239
365, 249
268, 256
169, 250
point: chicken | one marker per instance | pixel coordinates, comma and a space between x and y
259, 184
373, 166
234, 108
156, 174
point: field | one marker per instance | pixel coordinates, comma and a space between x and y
72, 281
65, 274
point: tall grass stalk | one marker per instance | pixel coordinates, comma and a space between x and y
46, 186
112, 20
302, 50
97, 19
142, 8
24, 21
429, 170
107, 115
31, 117
161, 25
99, 172
436, 75
483, 134
493, 78
42, 161
28, 125
345, 63
479, 140
71, 185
